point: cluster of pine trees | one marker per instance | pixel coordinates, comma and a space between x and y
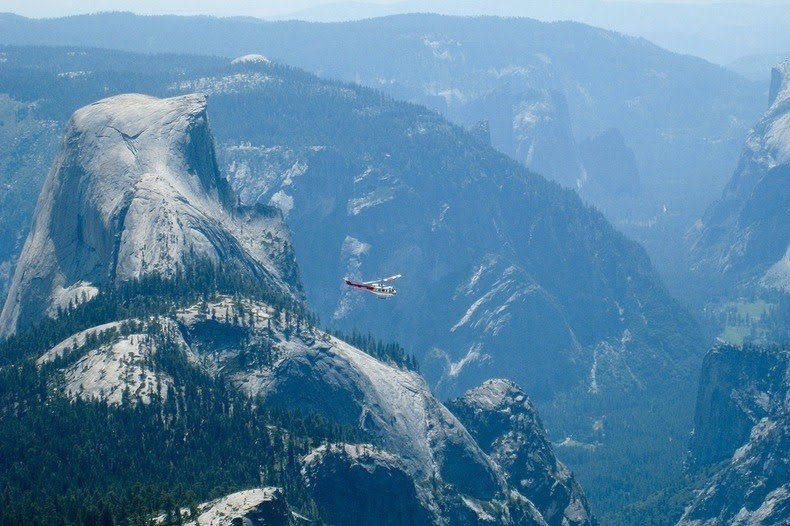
391, 353
87, 462
151, 295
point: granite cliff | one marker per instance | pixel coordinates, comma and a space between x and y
135, 190
743, 240
742, 436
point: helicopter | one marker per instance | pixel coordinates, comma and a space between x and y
376, 287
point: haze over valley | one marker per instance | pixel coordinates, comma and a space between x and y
592, 322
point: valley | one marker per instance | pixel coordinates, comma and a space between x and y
196, 218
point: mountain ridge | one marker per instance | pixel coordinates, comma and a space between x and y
740, 241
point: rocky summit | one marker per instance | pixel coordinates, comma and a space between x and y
253, 507
135, 190
507, 426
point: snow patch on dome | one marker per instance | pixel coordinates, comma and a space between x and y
252, 58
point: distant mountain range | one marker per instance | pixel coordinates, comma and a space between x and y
717, 33
541, 88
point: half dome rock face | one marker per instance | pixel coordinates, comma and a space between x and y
135, 189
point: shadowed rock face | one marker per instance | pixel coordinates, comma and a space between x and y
743, 239
384, 494
134, 190
742, 428
503, 420
610, 165
376, 482
737, 389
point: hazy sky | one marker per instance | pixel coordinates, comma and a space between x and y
278, 8
56, 8
718, 30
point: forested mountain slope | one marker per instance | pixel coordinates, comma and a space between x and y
505, 273
197, 339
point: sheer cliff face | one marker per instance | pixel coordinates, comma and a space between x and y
737, 389
742, 428
135, 189
743, 237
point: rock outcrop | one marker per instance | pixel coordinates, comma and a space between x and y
378, 483
534, 127
254, 507
393, 408
134, 190
503, 420
742, 432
